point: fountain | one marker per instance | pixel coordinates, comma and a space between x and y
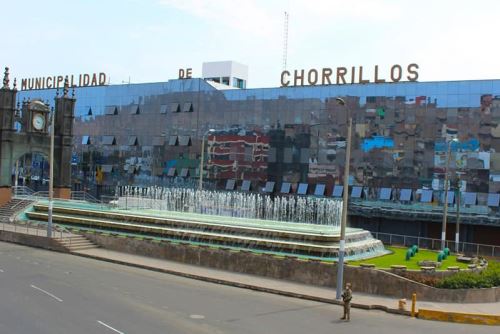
312, 210
297, 224
285, 225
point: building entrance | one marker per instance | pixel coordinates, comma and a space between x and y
24, 133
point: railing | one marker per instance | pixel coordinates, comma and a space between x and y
18, 204
110, 201
429, 243
21, 191
40, 194
83, 196
27, 193
24, 192
135, 203
57, 229
33, 228
420, 207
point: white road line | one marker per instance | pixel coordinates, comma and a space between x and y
47, 293
108, 326
1, 271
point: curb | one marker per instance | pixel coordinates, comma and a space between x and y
463, 318
248, 286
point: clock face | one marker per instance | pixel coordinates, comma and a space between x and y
38, 122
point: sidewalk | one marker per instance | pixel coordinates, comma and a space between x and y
321, 294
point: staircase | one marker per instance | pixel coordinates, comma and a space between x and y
11, 208
75, 243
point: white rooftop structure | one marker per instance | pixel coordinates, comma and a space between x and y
228, 73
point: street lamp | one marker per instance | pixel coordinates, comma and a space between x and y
457, 230
51, 174
200, 185
343, 223
445, 209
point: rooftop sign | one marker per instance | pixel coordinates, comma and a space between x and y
344, 75
82, 80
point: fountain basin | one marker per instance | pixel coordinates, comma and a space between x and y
282, 237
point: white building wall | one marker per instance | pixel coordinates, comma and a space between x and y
220, 69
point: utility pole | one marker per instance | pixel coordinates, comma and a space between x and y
445, 207
343, 223
51, 174
457, 232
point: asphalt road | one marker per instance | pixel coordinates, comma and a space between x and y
48, 292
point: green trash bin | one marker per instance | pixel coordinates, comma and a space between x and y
408, 254
446, 251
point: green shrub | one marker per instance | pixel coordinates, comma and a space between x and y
488, 278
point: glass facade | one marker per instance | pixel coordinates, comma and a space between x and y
152, 133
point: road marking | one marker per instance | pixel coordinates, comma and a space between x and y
47, 293
1, 271
197, 316
108, 326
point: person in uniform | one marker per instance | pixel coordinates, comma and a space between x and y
346, 298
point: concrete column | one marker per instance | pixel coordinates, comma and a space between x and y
5, 195
63, 193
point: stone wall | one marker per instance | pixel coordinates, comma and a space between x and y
31, 240
289, 268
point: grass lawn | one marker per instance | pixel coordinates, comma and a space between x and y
398, 256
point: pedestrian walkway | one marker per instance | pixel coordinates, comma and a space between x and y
322, 294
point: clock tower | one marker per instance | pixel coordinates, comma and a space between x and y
35, 117
34, 136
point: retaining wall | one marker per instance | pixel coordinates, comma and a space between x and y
290, 268
31, 240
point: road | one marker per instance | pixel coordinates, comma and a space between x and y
49, 292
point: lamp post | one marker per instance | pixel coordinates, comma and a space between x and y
51, 174
445, 208
457, 232
200, 185
345, 198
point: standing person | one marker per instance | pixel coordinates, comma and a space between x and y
346, 298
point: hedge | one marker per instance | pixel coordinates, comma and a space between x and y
488, 278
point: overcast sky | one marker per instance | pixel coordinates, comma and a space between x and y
149, 40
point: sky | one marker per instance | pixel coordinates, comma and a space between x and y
150, 40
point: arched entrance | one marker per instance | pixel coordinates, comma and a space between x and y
32, 140
32, 170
